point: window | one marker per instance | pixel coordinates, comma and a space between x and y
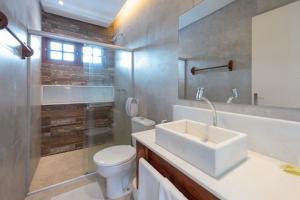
71, 53
60, 51
91, 55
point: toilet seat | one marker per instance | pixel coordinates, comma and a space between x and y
115, 155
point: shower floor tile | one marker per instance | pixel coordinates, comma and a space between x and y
61, 167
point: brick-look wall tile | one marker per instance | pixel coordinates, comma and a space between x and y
71, 127
65, 26
67, 127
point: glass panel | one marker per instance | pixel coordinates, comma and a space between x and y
69, 57
68, 48
112, 127
94, 96
92, 55
96, 52
57, 46
87, 50
91, 95
87, 59
55, 55
96, 60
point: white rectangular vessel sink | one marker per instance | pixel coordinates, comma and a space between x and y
211, 149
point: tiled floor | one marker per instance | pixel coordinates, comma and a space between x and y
64, 166
91, 187
57, 190
58, 168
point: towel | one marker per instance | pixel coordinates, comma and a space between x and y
167, 191
134, 189
149, 181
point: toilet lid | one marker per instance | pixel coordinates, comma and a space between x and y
114, 155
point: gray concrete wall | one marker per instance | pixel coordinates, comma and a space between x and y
14, 112
123, 90
152, 28
34, 109
213, 41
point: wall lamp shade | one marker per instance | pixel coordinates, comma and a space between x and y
26, 51
3, 21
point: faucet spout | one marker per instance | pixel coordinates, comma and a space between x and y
200, 97
213, 108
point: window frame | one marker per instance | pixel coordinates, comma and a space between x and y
92, 56
47, 50
78, 53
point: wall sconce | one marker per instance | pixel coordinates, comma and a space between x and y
26, 51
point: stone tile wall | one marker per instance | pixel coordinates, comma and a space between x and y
74, 28
65, 74
71, 127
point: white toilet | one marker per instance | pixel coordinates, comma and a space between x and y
117, 163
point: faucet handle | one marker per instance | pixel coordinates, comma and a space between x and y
235, 93
200, 92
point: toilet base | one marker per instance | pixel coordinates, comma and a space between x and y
116, 190
118, 174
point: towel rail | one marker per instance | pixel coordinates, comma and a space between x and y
229, 66
26, 51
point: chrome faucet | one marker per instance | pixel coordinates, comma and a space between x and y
200, 97
235, 95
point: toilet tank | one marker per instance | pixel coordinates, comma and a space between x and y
139, 124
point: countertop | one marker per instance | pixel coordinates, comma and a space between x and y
258, 178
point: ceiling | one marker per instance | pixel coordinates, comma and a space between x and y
98, 12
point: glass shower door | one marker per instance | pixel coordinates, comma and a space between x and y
106, 122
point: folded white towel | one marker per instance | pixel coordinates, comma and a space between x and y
149, 181
167, 191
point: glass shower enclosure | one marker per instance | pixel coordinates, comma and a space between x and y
82, 102
109, 71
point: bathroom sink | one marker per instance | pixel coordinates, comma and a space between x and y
211, 149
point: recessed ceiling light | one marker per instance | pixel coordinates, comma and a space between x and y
61, 2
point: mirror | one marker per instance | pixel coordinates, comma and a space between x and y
241, 52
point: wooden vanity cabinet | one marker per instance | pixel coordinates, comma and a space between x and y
184, 184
